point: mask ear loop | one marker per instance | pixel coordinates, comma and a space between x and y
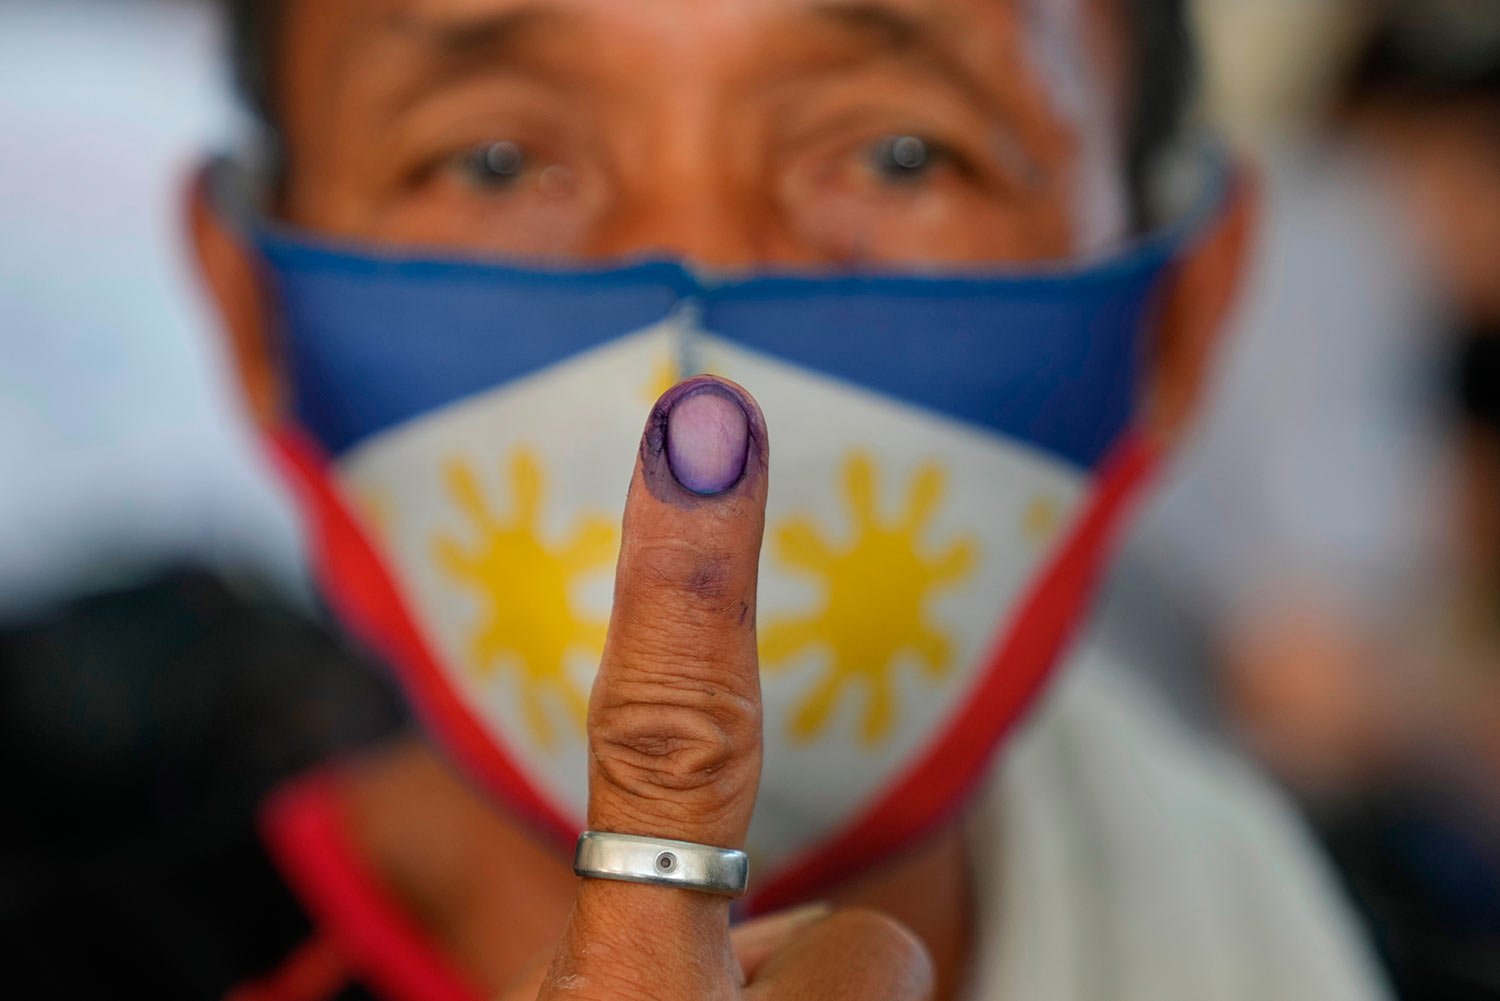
232, 194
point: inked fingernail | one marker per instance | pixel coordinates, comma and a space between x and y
708, 439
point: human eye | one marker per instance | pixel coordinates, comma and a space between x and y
897, 182
491, 167
890, 163
905, 159
493, 164
523, 190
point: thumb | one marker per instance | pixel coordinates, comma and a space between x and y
674, 721
855, 955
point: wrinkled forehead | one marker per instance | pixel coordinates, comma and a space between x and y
1070, 48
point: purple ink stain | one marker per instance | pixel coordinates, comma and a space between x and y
708, 439
656, 455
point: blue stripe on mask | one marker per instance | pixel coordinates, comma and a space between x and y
1052, 359
1052, 362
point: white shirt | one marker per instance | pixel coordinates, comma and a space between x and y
1121, 858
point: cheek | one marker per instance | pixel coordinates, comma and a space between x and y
933, 228
544, 227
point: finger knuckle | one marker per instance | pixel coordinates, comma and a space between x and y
672, 739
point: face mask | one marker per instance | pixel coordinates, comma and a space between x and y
951, 455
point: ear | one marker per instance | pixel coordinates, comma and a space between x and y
232, 273
1198, 301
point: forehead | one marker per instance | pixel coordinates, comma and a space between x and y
663, 16
712, 38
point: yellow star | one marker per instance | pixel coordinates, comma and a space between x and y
876, 591
529, 624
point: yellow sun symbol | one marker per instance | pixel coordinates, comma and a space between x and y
529, 625
875, 604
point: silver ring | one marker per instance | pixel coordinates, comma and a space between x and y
660, 861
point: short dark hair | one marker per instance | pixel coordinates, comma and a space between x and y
252, 29
1163, 65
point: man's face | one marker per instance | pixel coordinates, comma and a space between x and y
731, 132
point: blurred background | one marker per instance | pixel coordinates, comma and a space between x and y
1318, 579
119, 433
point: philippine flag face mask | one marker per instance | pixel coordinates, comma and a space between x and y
949, 456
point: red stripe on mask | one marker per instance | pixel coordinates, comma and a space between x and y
366, 600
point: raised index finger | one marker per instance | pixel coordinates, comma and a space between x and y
674, 721
675, 715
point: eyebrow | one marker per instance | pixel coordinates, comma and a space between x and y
487, 35
887, 31
885, 26
454, 48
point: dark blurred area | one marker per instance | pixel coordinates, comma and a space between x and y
141, 731
1318, 583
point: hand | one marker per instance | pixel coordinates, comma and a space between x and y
675, 738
